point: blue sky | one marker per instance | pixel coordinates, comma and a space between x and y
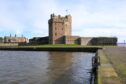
90, 18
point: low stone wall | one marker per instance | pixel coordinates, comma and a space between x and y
90, 40
104, 41
39, 40
98, 41
85, 40
71, 39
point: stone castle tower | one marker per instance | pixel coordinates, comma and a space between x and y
58, 27
60, 32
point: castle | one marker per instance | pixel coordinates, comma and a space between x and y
60, 32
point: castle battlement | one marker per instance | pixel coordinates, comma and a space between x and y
59, 18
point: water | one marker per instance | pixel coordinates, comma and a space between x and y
21, 67
122, 44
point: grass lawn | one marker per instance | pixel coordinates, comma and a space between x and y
63, 45
53, 46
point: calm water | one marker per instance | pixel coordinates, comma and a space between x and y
122, 44
21, 67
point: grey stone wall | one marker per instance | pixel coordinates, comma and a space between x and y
39, 40
71, 39
104, 41
85, 40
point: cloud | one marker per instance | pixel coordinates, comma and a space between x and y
106, 22
7, 22
89, 17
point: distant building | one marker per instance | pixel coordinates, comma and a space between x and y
60, 32
1, 40
15, 39
39, 40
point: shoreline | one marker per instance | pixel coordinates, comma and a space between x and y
64, 49
112, 68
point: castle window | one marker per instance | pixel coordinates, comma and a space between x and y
55, 34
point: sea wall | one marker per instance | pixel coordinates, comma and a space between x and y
98, 41
65, 49
107, 73
104, 41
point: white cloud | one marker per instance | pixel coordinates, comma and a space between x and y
90, 17
7, 22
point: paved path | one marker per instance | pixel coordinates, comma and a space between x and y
107, 73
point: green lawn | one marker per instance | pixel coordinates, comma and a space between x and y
61, 46
53, 46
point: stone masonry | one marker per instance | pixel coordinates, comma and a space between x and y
58, 27
60, 32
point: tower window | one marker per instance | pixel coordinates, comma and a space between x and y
55, 34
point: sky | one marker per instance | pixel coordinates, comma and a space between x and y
90, 18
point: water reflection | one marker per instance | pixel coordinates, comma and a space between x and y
20, 67
70, 68
59, 64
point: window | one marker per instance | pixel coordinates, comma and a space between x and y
55, 34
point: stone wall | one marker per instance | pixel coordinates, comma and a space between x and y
39, 40
71, 39
98, 41
58, 27
104, 41
60, 32
85, 40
